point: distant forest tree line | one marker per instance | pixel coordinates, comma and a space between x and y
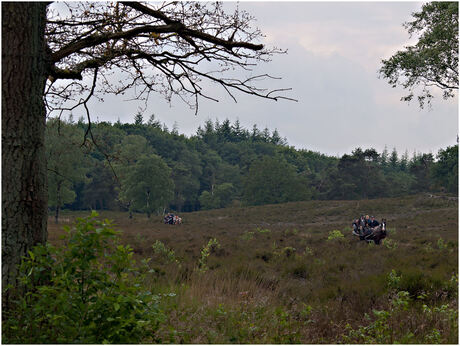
145, 167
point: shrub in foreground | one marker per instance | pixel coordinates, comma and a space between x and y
88, 291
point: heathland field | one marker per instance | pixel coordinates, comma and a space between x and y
279, 274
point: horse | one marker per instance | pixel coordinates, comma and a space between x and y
379, 232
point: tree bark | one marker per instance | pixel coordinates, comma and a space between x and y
24, 194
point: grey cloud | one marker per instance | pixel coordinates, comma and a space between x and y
342, 104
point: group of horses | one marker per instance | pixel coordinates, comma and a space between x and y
369, 234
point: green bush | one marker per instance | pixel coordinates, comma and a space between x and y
417, 282
88, 291
164, 254
334, 235
393, 280
380, 330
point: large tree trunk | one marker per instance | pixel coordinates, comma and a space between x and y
24, 194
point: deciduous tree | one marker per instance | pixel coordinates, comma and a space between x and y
272, 180
66, 165
433, 60
445, 170
24, 194
147, 185
69, 53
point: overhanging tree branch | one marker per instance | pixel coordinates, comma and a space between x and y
433, 61
168, 48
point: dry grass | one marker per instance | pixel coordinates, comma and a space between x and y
258, 289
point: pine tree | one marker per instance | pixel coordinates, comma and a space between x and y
138, 118
384, 158
394, 159
152, 122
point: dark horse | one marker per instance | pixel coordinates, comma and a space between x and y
375, 234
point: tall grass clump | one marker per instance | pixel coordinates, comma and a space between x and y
88, 291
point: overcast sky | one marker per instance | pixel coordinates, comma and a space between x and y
334, 53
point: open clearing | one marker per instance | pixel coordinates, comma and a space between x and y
276, 278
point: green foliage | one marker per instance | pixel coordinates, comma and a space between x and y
445, 170
131, 148
285, 252
250, 235
221, 197
434, 337
399, 182
391, 244
89, 291
167, 255
207, 250
414, 282
382, 330
433, 60
262, 230
273, 180
138, 118
147, 185
221, 166
420, 167
65, 161
100, 191
250, 295
448, 316
208, 201
393, 279
442, 245
357, 176
335, 235
186, 172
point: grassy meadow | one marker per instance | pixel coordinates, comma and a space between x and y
274, 274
